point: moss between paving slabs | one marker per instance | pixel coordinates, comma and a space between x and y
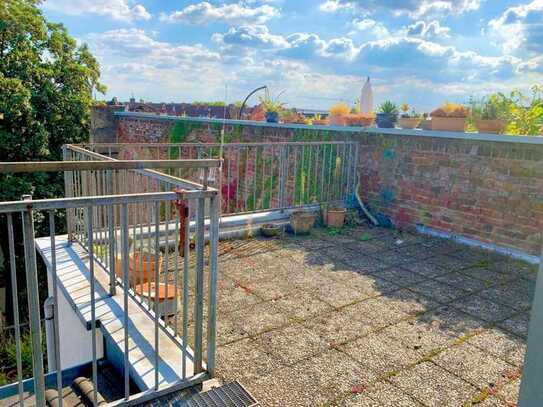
305, 321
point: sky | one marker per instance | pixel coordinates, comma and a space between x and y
313, 53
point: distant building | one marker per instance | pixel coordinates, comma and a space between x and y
187, 109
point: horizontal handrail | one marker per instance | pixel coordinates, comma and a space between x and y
81, 202
46, 166
183, 183
256, 144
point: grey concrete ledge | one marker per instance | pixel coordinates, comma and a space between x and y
345, 129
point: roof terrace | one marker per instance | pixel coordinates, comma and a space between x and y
399, 314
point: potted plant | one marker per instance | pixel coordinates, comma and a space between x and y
272, 108
387, 115
488, 114
449, 117
338, 114
301, 222
359, 119
319, 120
335, 217
270, 230
291, 116
409, 120
141, 265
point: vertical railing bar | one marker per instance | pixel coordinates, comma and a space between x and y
136, 274
143, 279
15, 301
263, 178
90, 231
186, 271
33, 304
355, 170
167, 216
286, 175
238, 160
149, 257
157, 288
254, 178
323, 164
295, 174
330, 171
272, 167
246, 178
348, 170
176, 270
198, 334
228, 181
68, 192
308, 198
212, 284
302, 183
124, 248
112, 250
54, 278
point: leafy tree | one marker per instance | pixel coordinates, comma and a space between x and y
525, 112
46, 85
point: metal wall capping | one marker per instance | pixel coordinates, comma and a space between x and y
347, 129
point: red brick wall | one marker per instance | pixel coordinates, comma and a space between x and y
489, 191
485, 190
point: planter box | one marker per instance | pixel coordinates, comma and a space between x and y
338, 120
490, 126
448, 124
408, 122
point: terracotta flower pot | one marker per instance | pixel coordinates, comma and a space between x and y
490, 126
141, 267
167, 296
338, 120
301, 222
448, 123
359, 120
409, 122
321, 122
335, 217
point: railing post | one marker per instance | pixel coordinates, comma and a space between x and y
212, 283
33, 302
531, 390
68, 193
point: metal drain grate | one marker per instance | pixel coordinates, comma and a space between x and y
230, 395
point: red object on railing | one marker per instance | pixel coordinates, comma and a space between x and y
183, 213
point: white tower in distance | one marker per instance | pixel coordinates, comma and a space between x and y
366, 98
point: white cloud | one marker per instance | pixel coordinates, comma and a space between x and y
532, 65
237, 13
432, 61
122, 10
251, 36
332, 6
136, 45
413, 8
520, 28
432, 29
371, 26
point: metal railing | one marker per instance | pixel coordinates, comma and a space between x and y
260, 176
132, 238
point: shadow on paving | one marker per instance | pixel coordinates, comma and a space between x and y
372, 317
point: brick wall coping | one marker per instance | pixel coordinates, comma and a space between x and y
368, 130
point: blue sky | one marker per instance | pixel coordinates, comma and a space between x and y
421, 52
